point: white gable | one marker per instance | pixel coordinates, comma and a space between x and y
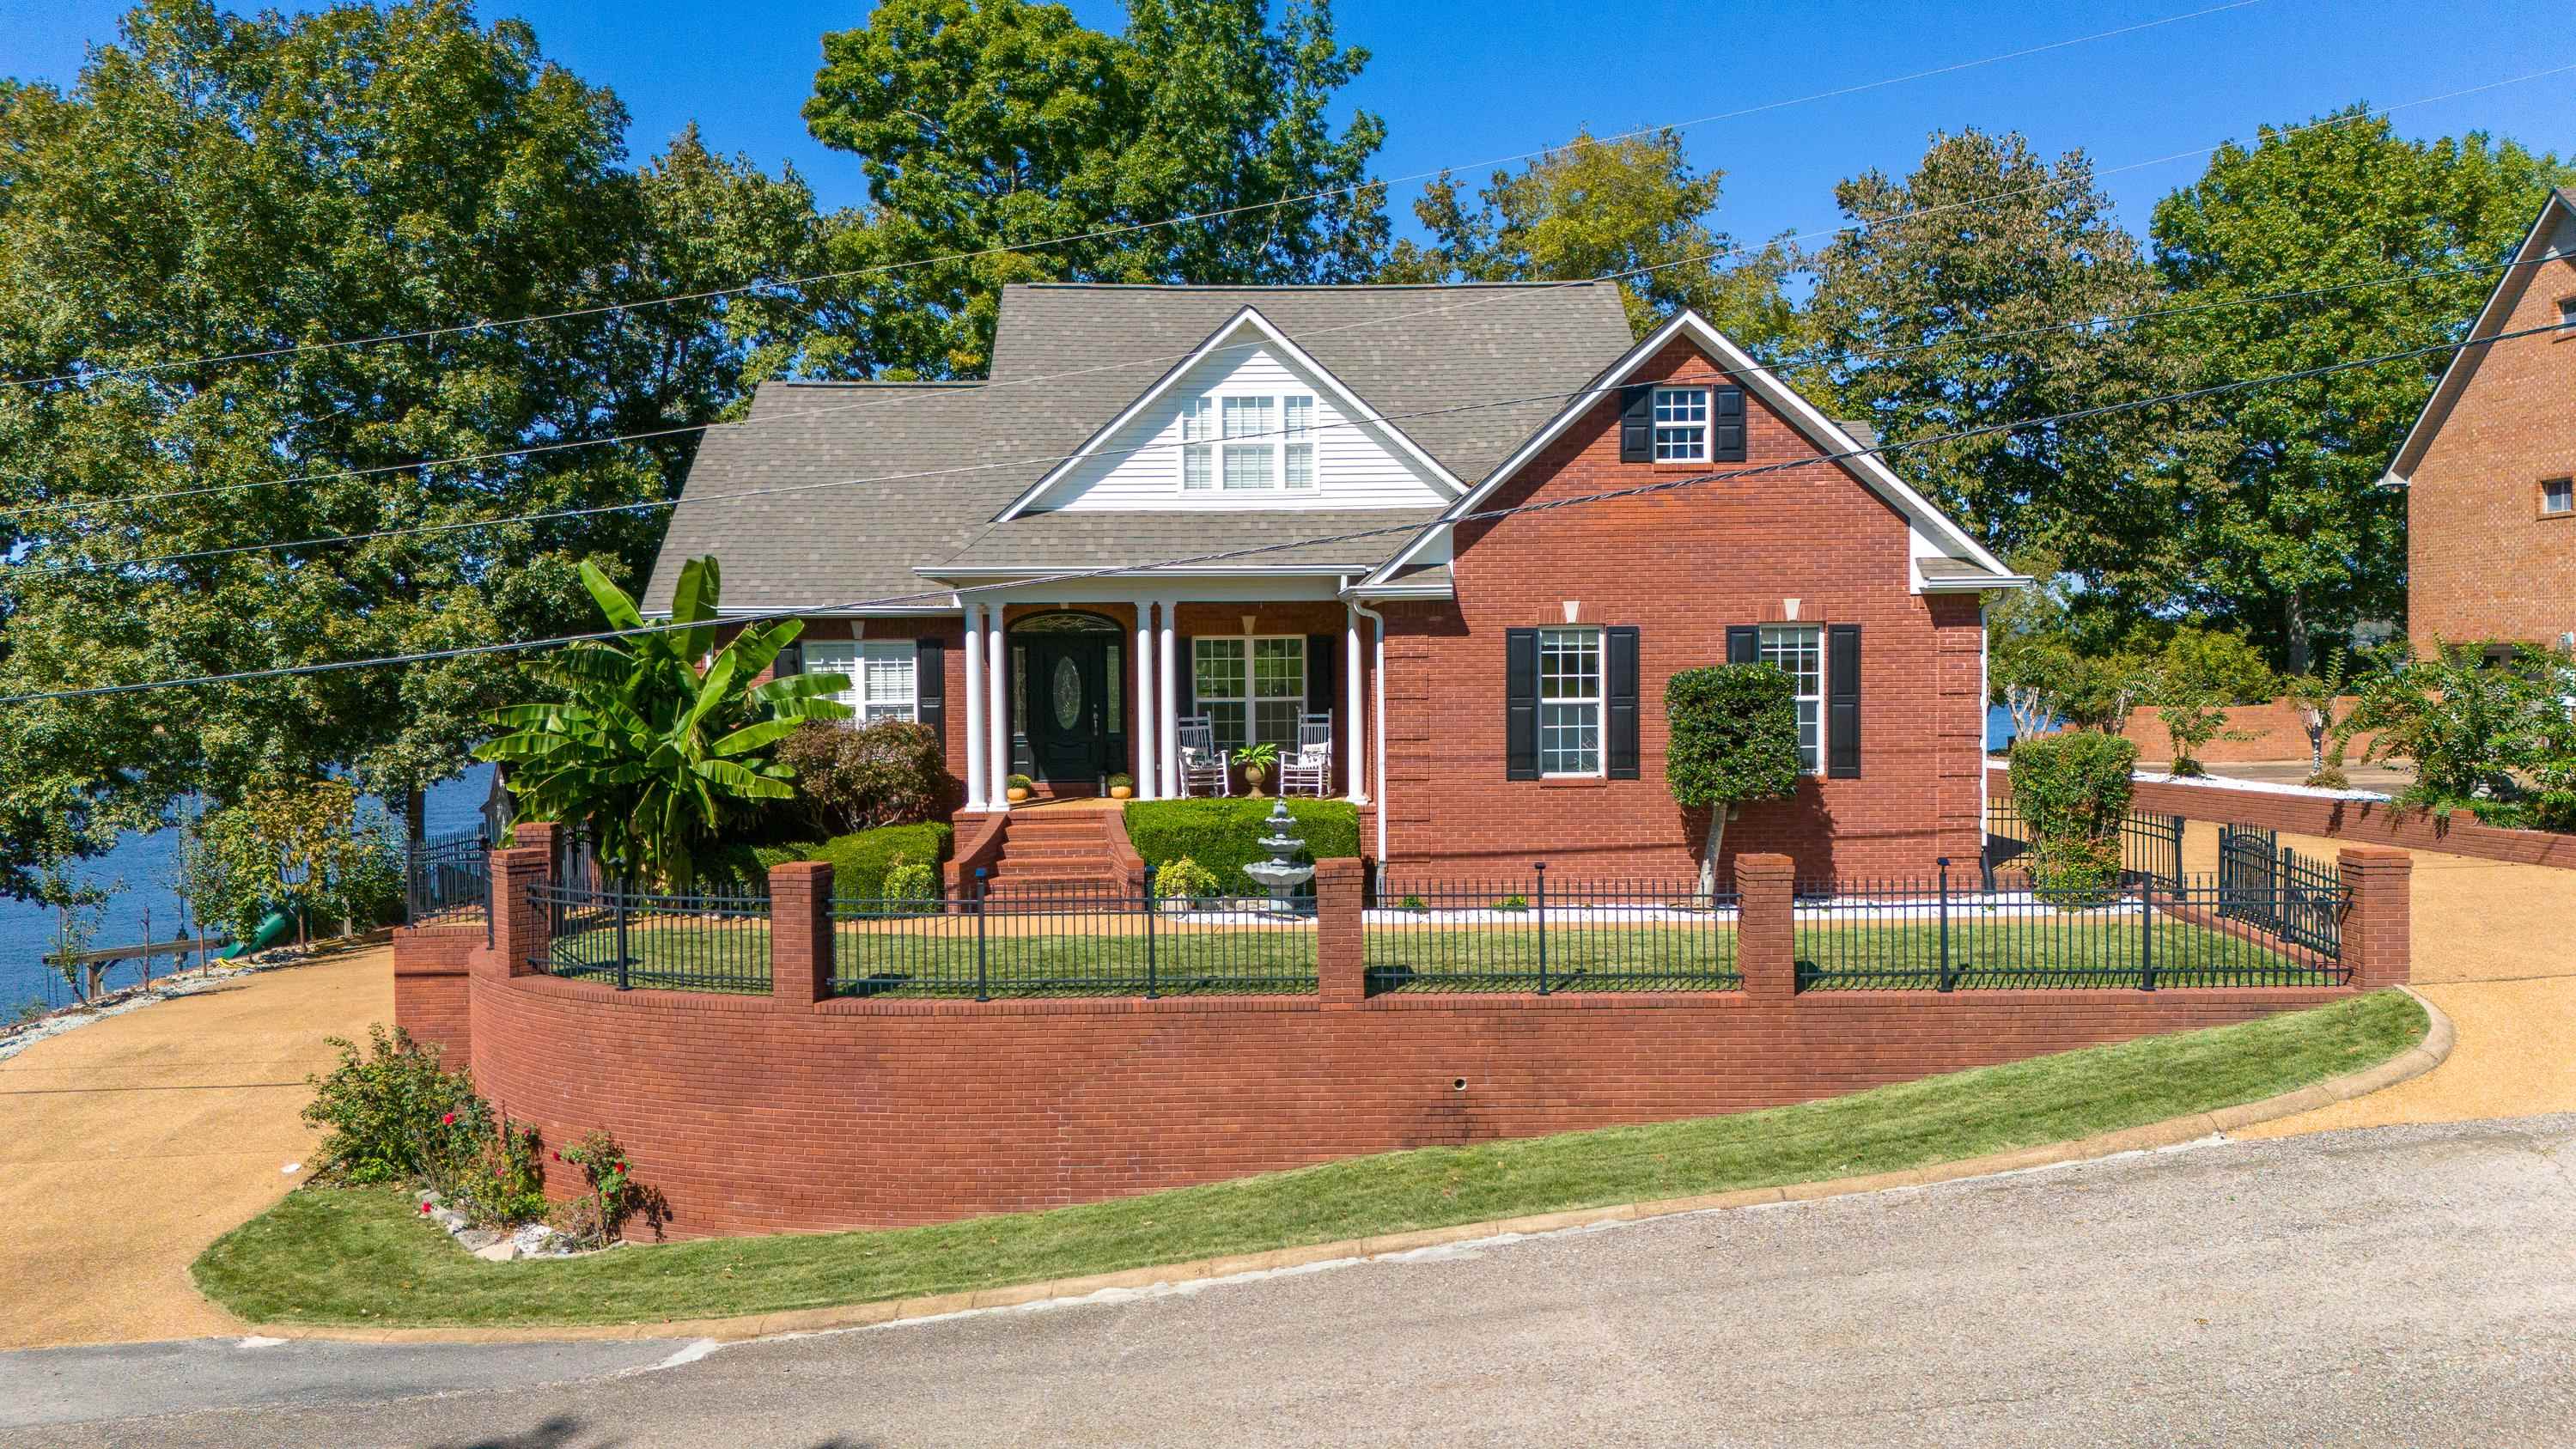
1137, 464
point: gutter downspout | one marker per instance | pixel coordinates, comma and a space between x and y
1377, 729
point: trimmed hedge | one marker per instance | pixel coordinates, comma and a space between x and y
1220, 834
859, 861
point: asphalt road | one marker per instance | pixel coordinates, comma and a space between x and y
2406, 1285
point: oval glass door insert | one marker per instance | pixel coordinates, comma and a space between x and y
1068, 694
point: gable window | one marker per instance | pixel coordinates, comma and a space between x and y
1569, 701
1681, 425
1251, 689
1799, 652
2567, 314
2558, 496
883, 685
1252, 444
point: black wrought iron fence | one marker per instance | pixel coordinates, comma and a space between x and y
1936, 935
1532, 933
712, 942
2275, 889
447, 883
1073, 941
2150, 845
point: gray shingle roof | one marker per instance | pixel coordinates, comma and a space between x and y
941, 460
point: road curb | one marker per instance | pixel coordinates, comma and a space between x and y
2424, 1056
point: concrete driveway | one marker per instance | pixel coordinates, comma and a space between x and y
130, 1144
2409, 1285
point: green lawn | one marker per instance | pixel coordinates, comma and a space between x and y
360, 1256
2062, 949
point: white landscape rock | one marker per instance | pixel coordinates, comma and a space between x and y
503, 1251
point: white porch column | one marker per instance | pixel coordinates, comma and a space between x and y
1354, 727
997, 707
976, 794
1167, 717
1145, 724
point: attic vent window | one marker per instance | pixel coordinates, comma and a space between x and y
2567, 314
1681, 425
1248, 444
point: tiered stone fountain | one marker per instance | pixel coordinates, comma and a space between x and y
1281, 874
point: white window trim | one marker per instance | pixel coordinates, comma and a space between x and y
1597, 700
2569, 492
1698, 452
849, 657
1824, 718
1206, 412
1250, 699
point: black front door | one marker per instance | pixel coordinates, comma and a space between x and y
1068, 702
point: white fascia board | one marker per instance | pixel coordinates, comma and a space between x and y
1977, 586
1818, 429
2455, 375
1354, 409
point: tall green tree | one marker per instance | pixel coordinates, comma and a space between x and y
2290, 536
983, 125
1632, 205
217, 184
1958, 303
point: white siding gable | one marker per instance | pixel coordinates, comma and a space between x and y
1138, 466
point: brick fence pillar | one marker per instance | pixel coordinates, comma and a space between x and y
1765, 949
1340, 971
520, 930
800, 932
2378, 922
542, 835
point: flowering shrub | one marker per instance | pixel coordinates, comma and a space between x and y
594, 1221
501, 1184
391, 1115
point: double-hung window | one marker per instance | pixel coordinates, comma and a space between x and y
881, 673
1262, 443
1799, 651
1251, 689
1681, 425
1569, 701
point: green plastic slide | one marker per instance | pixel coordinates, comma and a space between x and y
272, 930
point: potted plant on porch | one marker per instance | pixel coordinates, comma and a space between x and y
1120, 787
1017, 788
1257, 762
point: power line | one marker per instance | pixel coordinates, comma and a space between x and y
1224, 555
80, 375
1862, 224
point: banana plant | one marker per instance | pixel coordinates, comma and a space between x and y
652, 749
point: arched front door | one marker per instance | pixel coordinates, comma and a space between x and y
1068, 703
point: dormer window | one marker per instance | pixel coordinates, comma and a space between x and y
1248, 444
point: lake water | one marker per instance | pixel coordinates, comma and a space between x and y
144, 864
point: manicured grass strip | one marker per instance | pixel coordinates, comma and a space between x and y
2051, 950
361, 1256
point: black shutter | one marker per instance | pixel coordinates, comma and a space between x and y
1319, 673
1726, 425
790, 660
1520, 704
1743, 644
1842, 701
1619, 700
1185, 693
1637, 424
930, 681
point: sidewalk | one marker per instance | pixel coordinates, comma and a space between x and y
2495, 949
129, 1145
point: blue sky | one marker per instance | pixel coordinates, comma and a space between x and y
1459, 85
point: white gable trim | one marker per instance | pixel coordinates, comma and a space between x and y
1354, 411
1946, 534
2464, 363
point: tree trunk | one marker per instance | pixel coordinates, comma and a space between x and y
415, 813
1717, 816
2294, 632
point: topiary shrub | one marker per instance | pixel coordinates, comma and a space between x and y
861, 861
888, 773
2073, 792
1219, 834
1734, 739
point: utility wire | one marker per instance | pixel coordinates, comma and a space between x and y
1662, 486
1862, 224
83, 375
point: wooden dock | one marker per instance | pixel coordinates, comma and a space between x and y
177, 947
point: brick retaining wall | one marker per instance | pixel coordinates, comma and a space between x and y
2373, 822
429, 988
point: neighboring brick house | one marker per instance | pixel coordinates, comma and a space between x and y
1494, 684
2490, 465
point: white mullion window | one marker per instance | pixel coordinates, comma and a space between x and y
886, 686
1297, 443
1252, 689
1198, 453
1252, 462
1569, 701
1799, 651
1251, 443
1681, 425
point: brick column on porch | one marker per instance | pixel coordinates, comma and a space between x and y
1765, 934
2378, 915
520, 930
800, 932
1340, 964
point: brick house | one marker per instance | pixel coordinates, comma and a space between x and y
2490, 506
1256, 503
